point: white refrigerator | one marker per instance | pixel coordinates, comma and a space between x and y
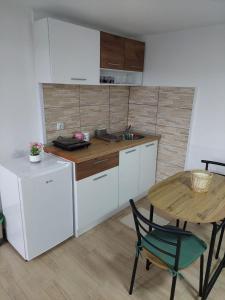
37, 201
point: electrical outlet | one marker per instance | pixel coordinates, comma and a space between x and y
59, 126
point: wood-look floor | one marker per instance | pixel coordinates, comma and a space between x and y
96, 266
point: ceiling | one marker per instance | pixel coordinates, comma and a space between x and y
134, 17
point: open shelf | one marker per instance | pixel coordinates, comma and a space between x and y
120, 77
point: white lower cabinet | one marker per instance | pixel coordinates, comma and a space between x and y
100, 195
128, 174
97, 196
137, 167
148, 155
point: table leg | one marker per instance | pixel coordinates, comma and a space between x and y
220, 242
209, 261
216, 274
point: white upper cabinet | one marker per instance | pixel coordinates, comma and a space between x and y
66, 53
148, 155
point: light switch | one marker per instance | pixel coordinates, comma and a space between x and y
59, 126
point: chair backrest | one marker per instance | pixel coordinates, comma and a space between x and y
211, 162
141, 223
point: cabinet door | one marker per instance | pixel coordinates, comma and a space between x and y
74, 53
112, 51
47, 203
134, 55
128, 174
148, 154
97, 196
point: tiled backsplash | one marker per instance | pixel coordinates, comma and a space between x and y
84, 108
157, 110
143, 103
61, 104
118, 100
165, 111
173, 123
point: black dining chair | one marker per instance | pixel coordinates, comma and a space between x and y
207, 163
167, 247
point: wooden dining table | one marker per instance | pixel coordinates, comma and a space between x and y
175, 197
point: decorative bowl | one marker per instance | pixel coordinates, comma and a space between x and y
201, 180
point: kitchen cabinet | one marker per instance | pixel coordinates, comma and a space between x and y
121, 53
134, 55
129, 165
66, 53
148, 154
137, 168
96, 196
112, 51
107, 176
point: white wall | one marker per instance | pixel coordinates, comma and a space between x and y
186, 58
194, 58
19, 112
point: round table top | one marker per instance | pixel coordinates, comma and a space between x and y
175, 197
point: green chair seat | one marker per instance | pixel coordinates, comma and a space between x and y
191, 248
1, 218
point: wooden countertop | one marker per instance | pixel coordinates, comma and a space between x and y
98, 148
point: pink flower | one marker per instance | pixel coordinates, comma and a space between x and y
35, 148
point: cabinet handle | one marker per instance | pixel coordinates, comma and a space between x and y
100, 177
79, 79
130, 151
113, 64
100, 161
149, 145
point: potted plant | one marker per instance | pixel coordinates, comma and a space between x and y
35, 151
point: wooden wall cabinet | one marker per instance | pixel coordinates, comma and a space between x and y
112, 51
134, 55
121, 53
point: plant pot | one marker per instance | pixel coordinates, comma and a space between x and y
35, 158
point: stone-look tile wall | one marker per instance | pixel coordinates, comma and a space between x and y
173, 123
84, 108
94, 107
118, 97
143, 103
157, 110
165, 111
61, 104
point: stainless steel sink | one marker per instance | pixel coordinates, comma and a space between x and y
131, 136
119, 136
